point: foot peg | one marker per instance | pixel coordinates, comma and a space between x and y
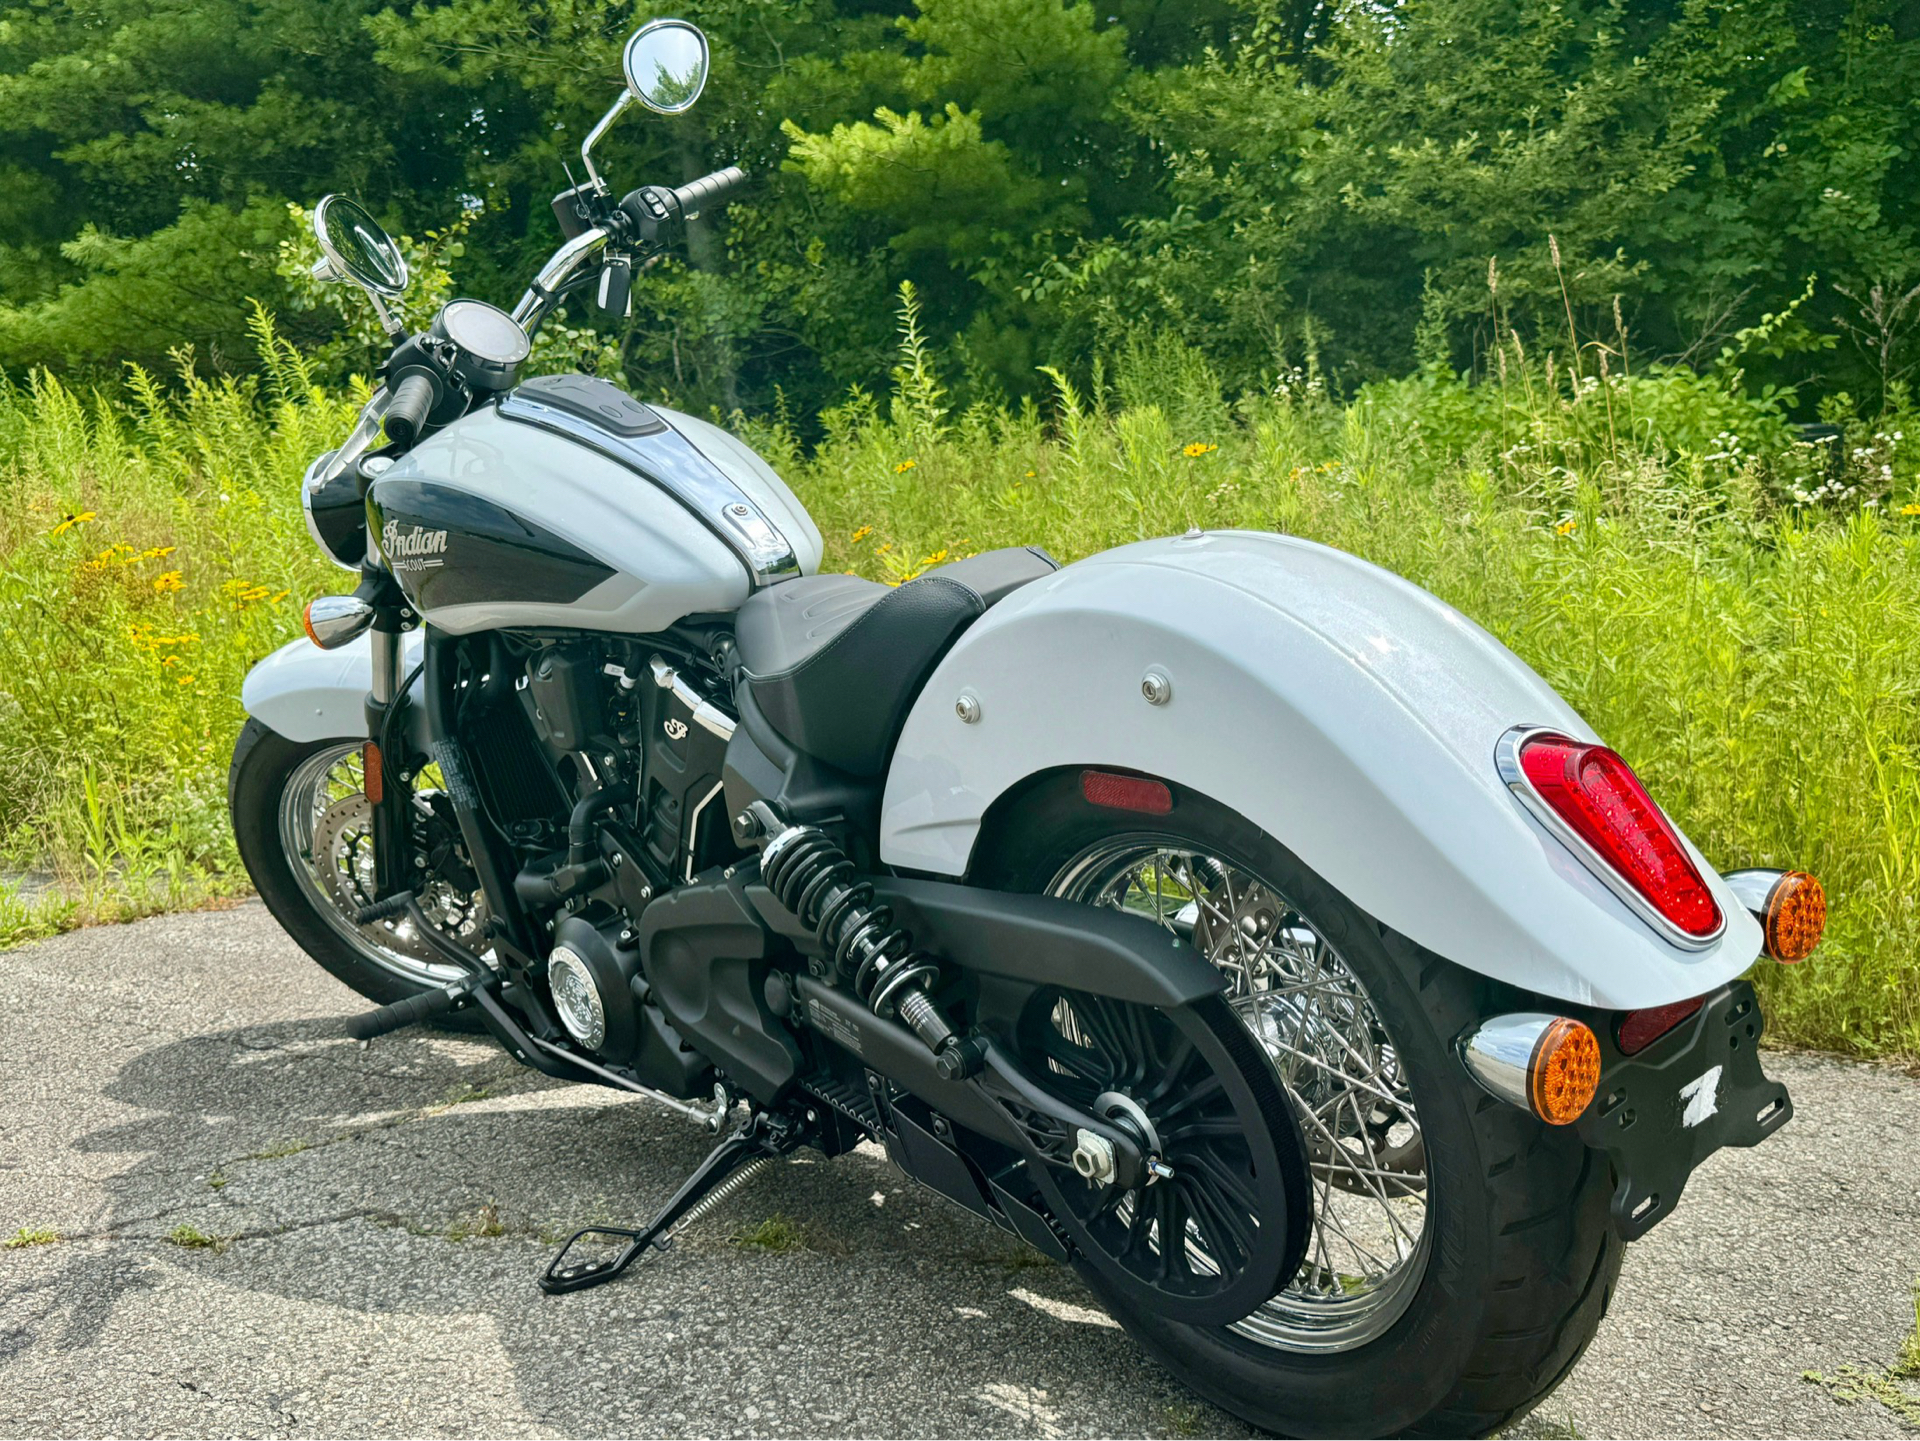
728, 1167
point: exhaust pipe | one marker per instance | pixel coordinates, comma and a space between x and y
1548, 1065
1791, 907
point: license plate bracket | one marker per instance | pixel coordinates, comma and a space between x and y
1662, 1111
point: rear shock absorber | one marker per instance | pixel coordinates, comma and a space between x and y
812, 877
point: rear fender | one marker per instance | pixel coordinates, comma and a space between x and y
1347, 713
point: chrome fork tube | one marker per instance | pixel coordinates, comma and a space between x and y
386, 666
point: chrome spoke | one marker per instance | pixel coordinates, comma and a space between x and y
1336, 1062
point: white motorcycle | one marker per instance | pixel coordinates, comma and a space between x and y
1220, 914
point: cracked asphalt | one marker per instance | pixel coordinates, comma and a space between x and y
268, 1229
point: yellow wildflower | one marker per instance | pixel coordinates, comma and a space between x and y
1031, 474
169, 581
154, 552
1910, 510
936, 558
184, 680
882, 550
904, 466
1565, 527
71, 521
862, 533
1198, 449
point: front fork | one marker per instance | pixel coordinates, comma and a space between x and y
388, 784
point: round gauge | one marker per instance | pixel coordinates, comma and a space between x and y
490, 342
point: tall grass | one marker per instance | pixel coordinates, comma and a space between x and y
1634, 540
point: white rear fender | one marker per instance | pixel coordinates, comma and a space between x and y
1348, 714
308, 694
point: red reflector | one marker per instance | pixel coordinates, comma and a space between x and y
1603, 803
1126, 793
373, 779
1640, 1029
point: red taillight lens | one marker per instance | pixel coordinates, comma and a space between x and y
1640, 1029
1602, 801
1126, 793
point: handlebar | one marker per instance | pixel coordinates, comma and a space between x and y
407, 413
709, 190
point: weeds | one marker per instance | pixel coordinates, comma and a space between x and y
1731, 608
192, 1238
1853, 1383
30, 1236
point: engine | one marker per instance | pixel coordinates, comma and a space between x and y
600, 760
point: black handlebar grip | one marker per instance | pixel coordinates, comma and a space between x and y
403, 1013
709, 190
412, 402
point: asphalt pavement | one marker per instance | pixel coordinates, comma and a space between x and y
267, 1229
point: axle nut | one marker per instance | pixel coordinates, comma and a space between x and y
1093, 1158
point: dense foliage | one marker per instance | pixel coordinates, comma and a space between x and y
1284, 183
1754, 659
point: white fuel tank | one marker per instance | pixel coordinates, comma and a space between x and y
572, 505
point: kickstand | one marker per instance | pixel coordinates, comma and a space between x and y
758, 1139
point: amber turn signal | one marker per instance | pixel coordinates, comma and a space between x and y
1565, 1072
1791, 907
1549, 1065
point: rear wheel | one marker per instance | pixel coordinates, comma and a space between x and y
304, 827
1460, 1254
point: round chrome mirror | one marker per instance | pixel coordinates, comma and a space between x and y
356, 248
666, 65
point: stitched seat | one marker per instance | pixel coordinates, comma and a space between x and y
833, 662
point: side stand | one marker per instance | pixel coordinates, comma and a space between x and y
753, 1144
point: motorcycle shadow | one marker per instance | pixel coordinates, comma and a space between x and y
423, 1180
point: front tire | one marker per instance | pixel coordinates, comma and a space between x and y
298, 816
1472, 1322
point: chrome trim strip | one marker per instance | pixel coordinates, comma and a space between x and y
693, 823
706, 714
1507, 759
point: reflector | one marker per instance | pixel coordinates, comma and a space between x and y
1640, 1029
1126, 793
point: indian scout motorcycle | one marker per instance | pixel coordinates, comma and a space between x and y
1220, 914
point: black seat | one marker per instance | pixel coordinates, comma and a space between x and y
833, 661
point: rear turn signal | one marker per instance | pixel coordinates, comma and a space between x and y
1791, 907
1594, 802
1549, 1065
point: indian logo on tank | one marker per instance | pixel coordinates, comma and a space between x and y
412, 547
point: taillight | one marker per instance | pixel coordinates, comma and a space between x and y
1595, 801
1640, 1029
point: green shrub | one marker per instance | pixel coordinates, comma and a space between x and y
1751, 656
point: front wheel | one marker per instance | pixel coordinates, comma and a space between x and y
1461, 1253
305, 831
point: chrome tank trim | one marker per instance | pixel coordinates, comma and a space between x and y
684, 471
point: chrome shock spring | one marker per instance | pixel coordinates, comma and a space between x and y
812, 877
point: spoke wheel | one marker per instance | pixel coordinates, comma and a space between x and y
1207, 1241
1369, 1234
325, 828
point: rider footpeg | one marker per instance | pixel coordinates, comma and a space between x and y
728, 1167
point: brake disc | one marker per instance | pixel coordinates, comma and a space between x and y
343, 859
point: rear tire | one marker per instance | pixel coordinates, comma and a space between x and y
1520, 1256
265, 764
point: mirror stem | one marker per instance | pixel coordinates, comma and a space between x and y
387, 321
593, 136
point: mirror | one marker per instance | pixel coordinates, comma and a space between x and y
666, 65
356, 248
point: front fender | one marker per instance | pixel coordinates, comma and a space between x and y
308, 694
1347, 713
